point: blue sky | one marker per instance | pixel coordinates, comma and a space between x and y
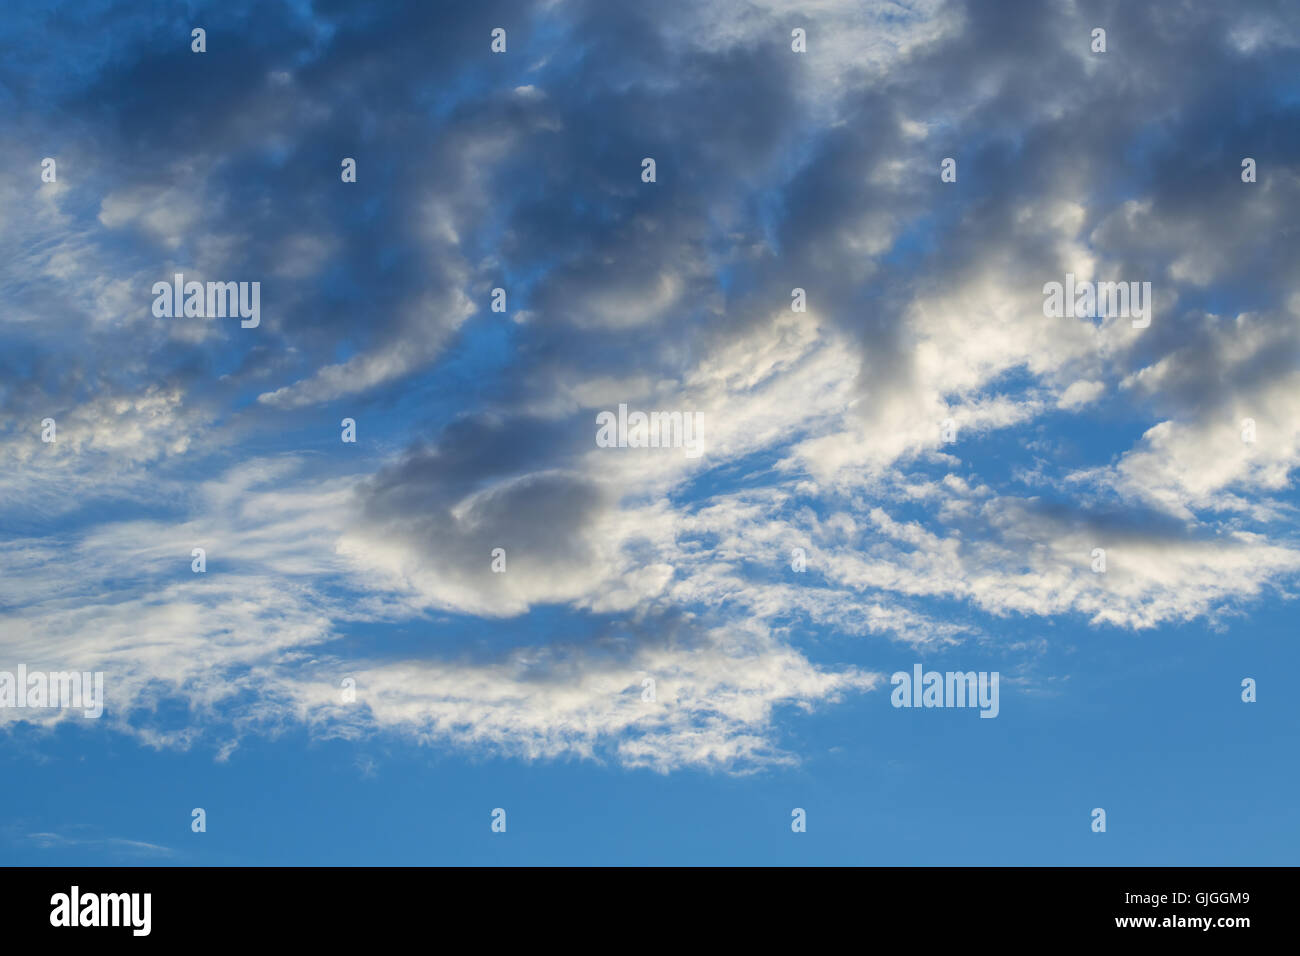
776, 170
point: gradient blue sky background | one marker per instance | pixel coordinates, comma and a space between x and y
522, 690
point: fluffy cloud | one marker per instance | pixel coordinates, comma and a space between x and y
824, 429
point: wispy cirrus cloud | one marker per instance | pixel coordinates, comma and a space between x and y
824, 429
